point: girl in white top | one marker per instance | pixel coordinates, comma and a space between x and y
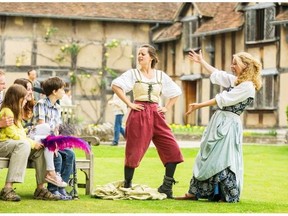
146, 120
218, 168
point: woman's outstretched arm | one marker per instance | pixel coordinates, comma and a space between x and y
193, 56
195, 106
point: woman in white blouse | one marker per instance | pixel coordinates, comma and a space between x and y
218, 168
146, 120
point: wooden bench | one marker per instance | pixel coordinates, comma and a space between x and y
69, 114
85, 165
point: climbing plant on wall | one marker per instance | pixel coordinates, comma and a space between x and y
68, 49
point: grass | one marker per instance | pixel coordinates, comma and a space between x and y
265, 185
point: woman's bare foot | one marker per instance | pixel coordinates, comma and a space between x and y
187, 196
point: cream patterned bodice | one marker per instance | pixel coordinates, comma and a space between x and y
147, 91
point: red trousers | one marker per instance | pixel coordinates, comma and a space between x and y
144, 126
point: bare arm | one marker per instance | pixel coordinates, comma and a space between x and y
120, 93
195, 106
169, 104
193, 56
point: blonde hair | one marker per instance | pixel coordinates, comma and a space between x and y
251, 69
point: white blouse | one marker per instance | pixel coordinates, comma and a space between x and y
127, 80
238, 94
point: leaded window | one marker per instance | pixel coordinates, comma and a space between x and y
44, 74
265, 98
258, 26
190, 25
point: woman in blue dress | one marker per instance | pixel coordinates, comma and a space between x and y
218, 168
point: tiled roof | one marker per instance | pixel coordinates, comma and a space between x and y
217, 17
225, 19
282, 16
169, 33
112, 11
208, 9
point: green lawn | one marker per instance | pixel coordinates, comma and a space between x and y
265, 185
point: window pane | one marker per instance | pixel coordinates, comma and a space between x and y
258, 102
45, 73
265, 97
250, 25
269, 28
190, 32
269, 92
258, 25
189, 27
186, 35
195, 40
62, 74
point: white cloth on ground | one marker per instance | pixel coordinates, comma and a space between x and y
116, 191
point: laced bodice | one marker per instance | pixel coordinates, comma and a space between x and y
147, 91
239, 107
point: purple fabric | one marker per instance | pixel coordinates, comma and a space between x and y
61, 142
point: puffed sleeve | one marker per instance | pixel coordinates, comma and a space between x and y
169, 88
125, 81
222, 78
239, 93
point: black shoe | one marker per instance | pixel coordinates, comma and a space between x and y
127, 184
167, 191
166, 187
114, 144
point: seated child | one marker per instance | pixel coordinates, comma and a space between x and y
39, 133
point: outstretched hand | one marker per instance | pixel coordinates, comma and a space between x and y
192, 55
192, 108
